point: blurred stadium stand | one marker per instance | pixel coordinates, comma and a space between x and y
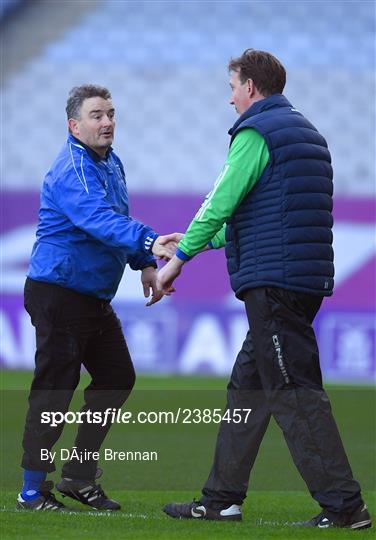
8, 6
165, 63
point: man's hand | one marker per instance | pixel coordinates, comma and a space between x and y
168, 273
149, 281
165, 246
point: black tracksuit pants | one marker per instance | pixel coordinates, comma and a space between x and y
277, 372
73, 329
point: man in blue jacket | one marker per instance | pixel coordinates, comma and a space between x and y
85, 238
271, 209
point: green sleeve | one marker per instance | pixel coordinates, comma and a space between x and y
219, 239
245, 163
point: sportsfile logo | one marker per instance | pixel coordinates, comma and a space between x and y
278, 350
117, 416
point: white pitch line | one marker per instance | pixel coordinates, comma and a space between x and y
83, 513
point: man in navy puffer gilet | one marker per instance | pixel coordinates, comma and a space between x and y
280, 260
280, 235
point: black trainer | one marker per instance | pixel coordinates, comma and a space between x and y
87, 492
46, 500
197, 510
356, 519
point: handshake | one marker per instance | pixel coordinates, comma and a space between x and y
165, 246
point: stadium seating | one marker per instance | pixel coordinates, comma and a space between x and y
7, 6
165, 64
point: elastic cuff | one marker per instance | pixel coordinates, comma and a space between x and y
181, 255
149, 242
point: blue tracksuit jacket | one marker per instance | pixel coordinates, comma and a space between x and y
85, 236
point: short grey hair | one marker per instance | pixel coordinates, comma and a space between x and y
78, 94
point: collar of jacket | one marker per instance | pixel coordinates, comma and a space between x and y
94, 156
270, 102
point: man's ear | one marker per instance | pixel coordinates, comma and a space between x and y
73, 126
251, 87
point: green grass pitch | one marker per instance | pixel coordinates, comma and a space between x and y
277, 496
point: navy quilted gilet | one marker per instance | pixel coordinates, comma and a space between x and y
280, 235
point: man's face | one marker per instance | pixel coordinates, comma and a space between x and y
240, 93
96, 124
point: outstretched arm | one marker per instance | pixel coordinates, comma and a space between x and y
247, 158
